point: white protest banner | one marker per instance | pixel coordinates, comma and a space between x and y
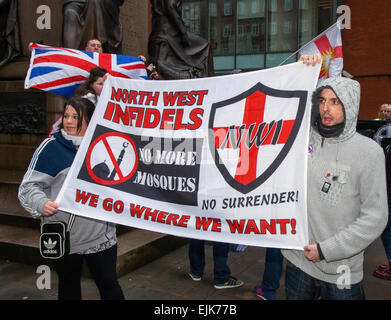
220, 159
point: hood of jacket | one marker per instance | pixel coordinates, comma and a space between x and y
348, 93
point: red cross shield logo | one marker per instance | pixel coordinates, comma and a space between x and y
249, 148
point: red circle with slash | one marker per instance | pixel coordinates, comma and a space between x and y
121, 177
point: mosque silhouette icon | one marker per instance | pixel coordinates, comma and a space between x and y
102, 171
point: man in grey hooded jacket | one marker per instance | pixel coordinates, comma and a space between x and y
347, 199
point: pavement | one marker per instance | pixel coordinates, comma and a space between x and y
166, 279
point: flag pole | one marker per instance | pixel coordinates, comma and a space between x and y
289, 57
320, 34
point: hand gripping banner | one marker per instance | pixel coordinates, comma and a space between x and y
221, 159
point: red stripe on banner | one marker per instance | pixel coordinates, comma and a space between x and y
67, 60
133, 67
105, 61
338, 52
119, 74
287, 126
246, 170
59, 82
323, 44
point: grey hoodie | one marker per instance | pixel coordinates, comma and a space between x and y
347, 195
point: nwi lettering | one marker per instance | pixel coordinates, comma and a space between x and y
254, 135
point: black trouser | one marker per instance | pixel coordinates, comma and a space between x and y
102, 266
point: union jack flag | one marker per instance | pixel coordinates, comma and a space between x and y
62, 70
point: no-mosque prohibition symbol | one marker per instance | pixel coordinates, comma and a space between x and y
112, 158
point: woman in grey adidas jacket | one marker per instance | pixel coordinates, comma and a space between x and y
346, 200
92, 240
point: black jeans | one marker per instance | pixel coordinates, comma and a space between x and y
102, 266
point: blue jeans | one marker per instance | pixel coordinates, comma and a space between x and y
221, 270
386, 235
301, 286
272, 274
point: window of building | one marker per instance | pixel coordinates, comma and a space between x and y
227, 30
287, 26
242, 7
227, 8
225, 45
288, 5
254, 34
254, 28
255, 6
273, 27
273, 5
304, 25
303, 4
212, 9
191, 15
242, 32
186, 12
212, 32
308, 27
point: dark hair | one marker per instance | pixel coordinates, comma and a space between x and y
86, 87
88, 41
315, 114
83, 107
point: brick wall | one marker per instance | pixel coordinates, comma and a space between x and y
367, 52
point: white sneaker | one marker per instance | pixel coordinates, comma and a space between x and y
194, 277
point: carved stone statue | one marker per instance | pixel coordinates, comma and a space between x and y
176, 53
88, 19
72, 22
9, 31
